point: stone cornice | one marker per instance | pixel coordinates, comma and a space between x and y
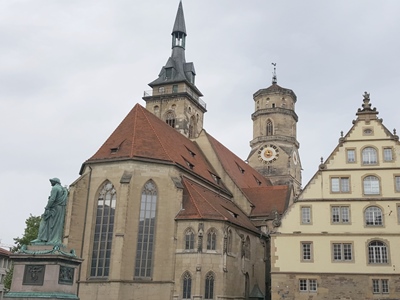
275, 110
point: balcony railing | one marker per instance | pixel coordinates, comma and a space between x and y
174, 90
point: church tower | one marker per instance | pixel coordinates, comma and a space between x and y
174, 97
274, 148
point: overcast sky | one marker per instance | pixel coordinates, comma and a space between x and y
71, 70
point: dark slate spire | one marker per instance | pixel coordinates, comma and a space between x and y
177, 69
179, 25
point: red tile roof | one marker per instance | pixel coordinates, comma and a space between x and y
201, 203
5, 252
142, 135
268, 199
258, 190
240, 172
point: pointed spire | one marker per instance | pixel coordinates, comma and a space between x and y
179, 25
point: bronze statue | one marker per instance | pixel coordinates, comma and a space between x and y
52, 223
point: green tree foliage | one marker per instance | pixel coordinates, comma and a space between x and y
8, 278
30, 233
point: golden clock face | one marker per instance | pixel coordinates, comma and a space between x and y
268, 153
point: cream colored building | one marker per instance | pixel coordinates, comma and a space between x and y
163, 210
340, 238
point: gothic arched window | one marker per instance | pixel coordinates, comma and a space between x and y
247, 248
147, 220
229, 241
211, 239
270, 128
170, 119
187, 286
104, 229
192, 127
209, 286
189, 239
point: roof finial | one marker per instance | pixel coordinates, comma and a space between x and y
274, 78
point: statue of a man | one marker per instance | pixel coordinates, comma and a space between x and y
52, 223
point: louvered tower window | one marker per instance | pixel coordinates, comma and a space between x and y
270, 128
170, 119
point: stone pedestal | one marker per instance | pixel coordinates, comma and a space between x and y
44, 272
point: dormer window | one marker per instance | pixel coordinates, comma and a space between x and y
257, 180
192, 154
240, 168
216, 178
168, 73
189, 164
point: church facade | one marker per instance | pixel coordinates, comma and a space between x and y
163, 210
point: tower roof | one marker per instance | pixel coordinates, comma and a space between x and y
276, 89
179, 25
201, 203
177, 69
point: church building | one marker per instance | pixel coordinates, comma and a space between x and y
163, 210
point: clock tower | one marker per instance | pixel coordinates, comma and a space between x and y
274, 148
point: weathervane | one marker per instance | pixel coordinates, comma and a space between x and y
274, 78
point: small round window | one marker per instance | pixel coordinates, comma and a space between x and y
368, 131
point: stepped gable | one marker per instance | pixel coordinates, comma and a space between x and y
200, 203
240, 172
268, 199
142, 135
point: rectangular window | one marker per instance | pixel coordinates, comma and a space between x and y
380, 286
340, 214
398, 213
351, 155
340, 184
308, 285
397, 183
306, 252
306, 215
387, 154
175, 88
342, 252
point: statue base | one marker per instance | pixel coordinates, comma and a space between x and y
44, 272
